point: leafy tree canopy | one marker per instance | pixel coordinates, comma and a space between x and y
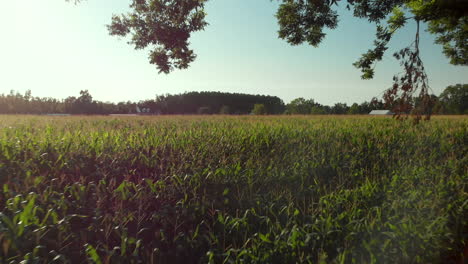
166, 26
300, 106
455, 99
259, 109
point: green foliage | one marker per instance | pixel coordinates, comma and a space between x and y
300, 106
186, 103
206, 103
339, 109
306, 21
204, 110
367, 61
236, 103
397, 19
354, 109
303, 21
303, 106
454, 99
225, 189
225, 110
259, 109
165, 26
452, 34
317, 110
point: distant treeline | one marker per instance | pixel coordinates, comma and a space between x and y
213, 103
454, 100
186, 103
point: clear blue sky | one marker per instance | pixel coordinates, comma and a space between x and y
57, 49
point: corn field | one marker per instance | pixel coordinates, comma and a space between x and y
233, 189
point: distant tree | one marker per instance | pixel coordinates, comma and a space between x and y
454, 99
354, 109
259, 109
365, 107
318, 110
70, 105
189, 103
425, 105
17, 103
225, 110
339, 109
204, 110
151, 105
84, 103
85, 97
438, 107
105, 108
192, 103
300, 106
125, 108
376, 104
27, 95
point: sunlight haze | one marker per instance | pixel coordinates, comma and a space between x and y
56, 48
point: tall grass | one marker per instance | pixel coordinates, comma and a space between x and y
232, 190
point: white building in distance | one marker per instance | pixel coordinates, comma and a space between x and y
380, 112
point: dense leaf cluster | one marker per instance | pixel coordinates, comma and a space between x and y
165, 26
305, 21
454, 99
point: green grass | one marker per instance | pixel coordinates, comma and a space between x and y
223, 189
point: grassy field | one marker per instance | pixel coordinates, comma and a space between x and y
289, 189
